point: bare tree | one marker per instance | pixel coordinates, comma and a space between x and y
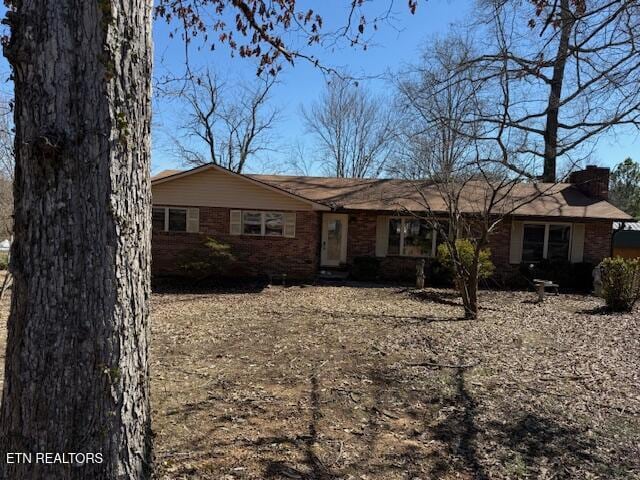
353, 129
573, 73
471, 174
226, 126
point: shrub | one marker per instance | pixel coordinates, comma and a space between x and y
365, 268
4, 261
215, 259
465, 251
620, 283
438, 274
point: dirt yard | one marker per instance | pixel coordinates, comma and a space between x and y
388, 383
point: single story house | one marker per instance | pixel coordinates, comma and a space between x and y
626, 239
297, 225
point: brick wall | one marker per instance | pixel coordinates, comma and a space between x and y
362, 242
297, 257
593, 181
597, 244
597, 240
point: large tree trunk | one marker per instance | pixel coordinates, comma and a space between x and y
76, 372
555, 94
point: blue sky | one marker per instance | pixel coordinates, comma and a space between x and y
396, 43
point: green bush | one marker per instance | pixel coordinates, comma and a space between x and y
620, 283
465, 251
4, 261
214, 260
365, 268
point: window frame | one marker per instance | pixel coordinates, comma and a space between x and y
263, 227
545, 245
166, 218
403, 220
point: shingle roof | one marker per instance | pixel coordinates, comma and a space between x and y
533, 200
165, 173
546, 199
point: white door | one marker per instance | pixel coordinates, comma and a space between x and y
334, 239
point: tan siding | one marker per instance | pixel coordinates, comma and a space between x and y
212, 188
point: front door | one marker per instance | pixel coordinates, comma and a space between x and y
334, 239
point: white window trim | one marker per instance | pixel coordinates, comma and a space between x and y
545, 246
434, 237
263, 228
166, 217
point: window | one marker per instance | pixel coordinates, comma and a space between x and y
157, 221
418, 239
545, 241
411, 237
558, 242
533, 242
273, 224
172, 219
395, 229
251, 223
177, 220
270, 224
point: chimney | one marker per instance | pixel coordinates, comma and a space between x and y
593, 181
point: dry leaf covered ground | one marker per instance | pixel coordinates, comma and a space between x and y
365, 382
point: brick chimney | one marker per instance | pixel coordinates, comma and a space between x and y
593, 181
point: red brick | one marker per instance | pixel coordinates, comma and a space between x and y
297, 257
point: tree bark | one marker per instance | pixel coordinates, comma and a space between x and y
469, 293
76, 370
555, 94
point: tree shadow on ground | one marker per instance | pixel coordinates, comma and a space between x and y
316, 469
182, 286
441, 297
458, 431
538, 442
600, 310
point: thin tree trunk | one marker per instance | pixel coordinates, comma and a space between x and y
76, 370
469, 294
555, 94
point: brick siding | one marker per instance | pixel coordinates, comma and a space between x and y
297, 257
362, 242
593, 181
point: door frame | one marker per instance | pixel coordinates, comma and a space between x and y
326, 218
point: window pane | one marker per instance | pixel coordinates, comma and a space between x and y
533, 243
334, 240
418, 238
177, 220
394, 236
157, 221
558, 247
251, 223
273, 224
